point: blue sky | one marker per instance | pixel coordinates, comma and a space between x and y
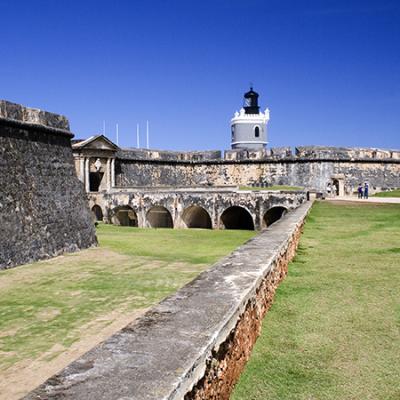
328, 70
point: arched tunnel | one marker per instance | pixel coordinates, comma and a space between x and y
236, 217
273, 215
196, 217
97, 212
159, 217
124, 216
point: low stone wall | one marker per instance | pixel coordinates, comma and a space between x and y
194, 344
43, 207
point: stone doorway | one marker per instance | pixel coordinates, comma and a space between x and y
95, 179
337, 184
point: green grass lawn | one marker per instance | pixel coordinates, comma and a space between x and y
194, 246
334, 329
392, 193
273, 187
47, 303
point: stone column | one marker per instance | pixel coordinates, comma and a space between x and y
87, 183
108, 173
261, 215
341, 187
82, 169
112, 172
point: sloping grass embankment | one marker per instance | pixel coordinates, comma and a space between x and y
43, 306
334, 329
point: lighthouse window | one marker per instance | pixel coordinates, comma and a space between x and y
257, 131
233, 133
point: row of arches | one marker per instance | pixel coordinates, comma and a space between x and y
234, 217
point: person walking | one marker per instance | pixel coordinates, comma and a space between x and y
366, 188
360, 191
329, 189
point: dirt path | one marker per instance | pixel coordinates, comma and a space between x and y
25, 376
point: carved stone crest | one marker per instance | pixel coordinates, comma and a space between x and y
97, 165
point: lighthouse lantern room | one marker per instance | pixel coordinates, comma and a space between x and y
249, 126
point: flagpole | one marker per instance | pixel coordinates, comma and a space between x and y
147, 133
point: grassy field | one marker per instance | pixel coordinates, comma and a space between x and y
334, 329
392, 193
44, 305
273, 187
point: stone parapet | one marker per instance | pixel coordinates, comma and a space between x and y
274, 154
194, 344
165, 155
345, 153
32, 116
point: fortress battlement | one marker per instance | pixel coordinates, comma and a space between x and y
168, 155
18, 114
300, 153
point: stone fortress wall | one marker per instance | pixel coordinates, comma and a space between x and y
312, 167
132, 186
43, 207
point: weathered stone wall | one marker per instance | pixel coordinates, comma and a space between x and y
43, 207
312, 173
194, 344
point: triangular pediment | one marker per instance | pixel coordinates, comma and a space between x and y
99, 142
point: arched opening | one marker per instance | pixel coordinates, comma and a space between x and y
236, 217
196, 217
273, 214
124, 216
257, 131
97, 213
159, 217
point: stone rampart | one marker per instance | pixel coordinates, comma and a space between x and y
166, 155
311, 167
43, 207
270, 154
346, 153
312, 173
194, 344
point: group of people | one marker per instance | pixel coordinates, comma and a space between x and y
332, 189
363, 191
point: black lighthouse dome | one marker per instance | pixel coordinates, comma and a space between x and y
251, 102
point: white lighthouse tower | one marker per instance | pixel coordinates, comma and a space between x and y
249, 126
